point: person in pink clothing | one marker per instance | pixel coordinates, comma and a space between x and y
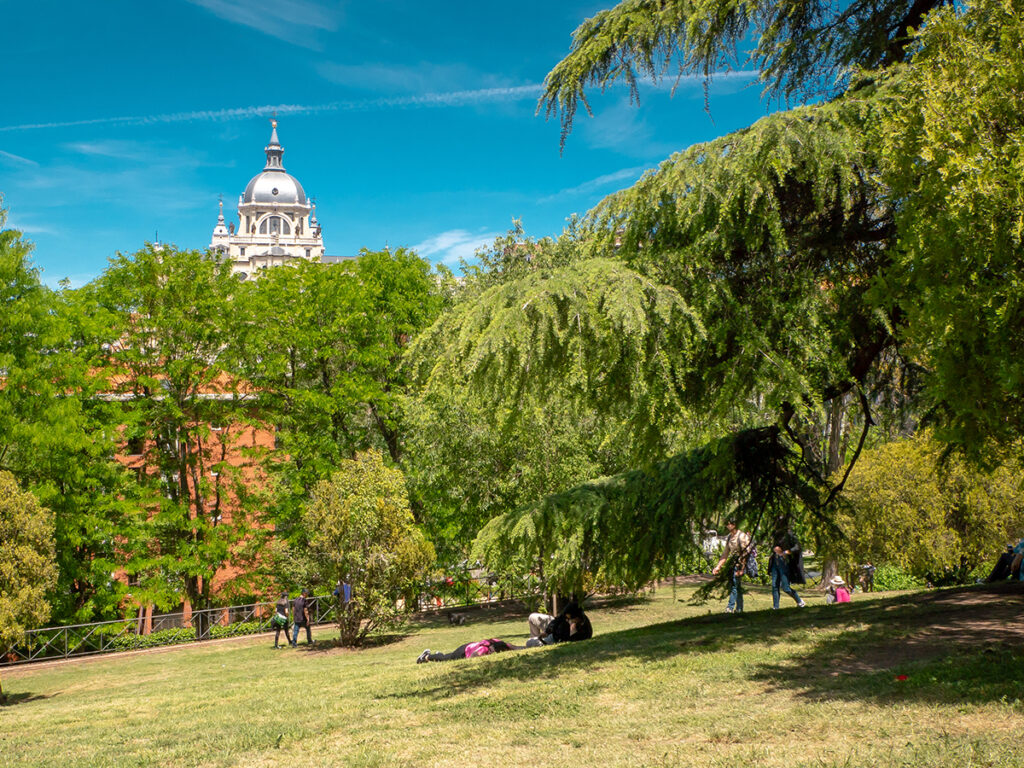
468, 651
837, 591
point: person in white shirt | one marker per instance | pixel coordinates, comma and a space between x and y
737, 544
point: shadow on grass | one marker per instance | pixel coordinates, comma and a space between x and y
956, 645
373, 641
12, 699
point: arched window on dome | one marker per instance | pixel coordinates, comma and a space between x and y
275, 225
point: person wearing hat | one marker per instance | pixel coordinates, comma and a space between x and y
836, 591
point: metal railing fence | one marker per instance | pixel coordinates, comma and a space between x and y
233, 621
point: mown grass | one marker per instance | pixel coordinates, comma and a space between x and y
663, 683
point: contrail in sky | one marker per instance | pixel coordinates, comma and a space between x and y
446, 99
449, 99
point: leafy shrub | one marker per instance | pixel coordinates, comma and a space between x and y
892, 577
362, 532
237, 629
936, 520
153, 640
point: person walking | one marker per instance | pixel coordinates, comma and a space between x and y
737, 545
785, 565
280, 620
300, 615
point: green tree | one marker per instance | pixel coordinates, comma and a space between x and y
801, 48
361, 532
476, 455
58, 436
780, 247
27, 566
320, 345
168, 364
935, 520
951, 138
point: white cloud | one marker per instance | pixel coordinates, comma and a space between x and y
599, 183
294, 21
17, 159
454, 244
618, 127
116, 150
441, 99
129, 175
390, 77
27, 227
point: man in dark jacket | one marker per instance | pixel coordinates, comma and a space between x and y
570, 625
786, 566
300, 615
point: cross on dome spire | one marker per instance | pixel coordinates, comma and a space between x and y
274, 150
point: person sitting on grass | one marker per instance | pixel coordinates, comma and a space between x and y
837, 591
570, 625
469, 650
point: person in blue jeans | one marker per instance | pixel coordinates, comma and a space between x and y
784, 565
300, 615
737, 545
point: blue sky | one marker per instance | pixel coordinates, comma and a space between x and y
411, 123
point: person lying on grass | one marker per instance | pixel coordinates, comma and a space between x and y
469, 650
571, 625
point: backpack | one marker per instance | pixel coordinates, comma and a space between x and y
842, 595
479, 648
751, 565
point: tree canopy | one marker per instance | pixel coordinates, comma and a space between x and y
800, 48
361, 532
939, 521
803, 269
28, 569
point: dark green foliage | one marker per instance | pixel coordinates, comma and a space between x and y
938, 521
892, 577
801, 48
625, 529
28, 569
952, 142
361, 532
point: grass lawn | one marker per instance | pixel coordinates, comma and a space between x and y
663, 683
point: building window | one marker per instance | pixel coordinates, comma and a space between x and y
309, 253
275, 225
241, 251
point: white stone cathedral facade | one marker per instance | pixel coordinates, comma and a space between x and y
276, 223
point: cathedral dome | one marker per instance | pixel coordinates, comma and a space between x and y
274, 186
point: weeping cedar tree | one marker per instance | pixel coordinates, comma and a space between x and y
361, 532
765, 280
